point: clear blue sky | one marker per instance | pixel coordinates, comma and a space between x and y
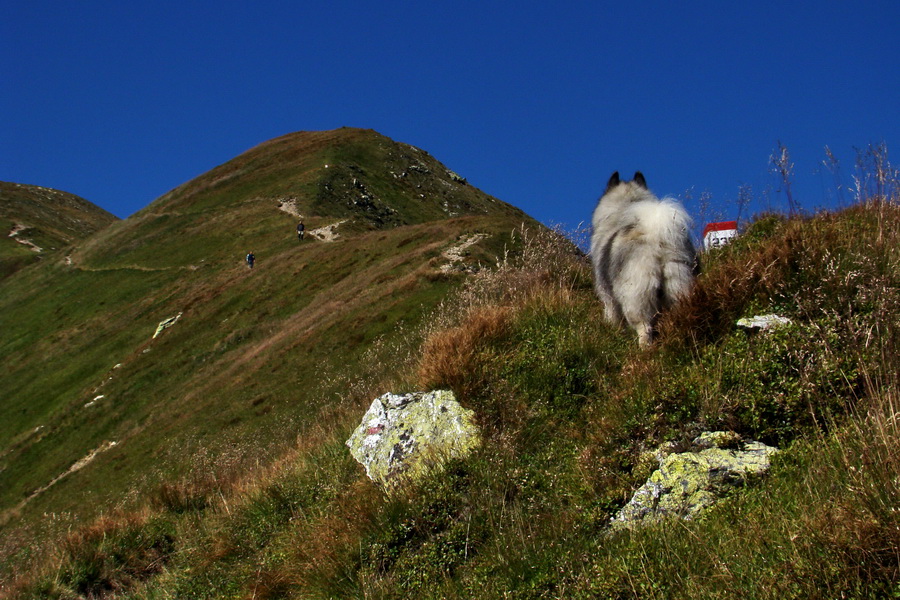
119, 102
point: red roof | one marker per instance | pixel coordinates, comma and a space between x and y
720, 226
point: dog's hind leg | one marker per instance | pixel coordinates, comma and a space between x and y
640, 300
646, 335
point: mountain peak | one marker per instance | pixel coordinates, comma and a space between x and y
348, 173
356, 180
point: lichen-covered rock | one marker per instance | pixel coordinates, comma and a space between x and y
763, 322
165, 324
403, 436
686, 483
718, 439
457, 178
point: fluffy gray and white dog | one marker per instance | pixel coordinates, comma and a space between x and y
643, 257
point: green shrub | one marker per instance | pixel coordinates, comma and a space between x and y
109, 558
777, 384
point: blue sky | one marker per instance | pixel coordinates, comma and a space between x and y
119, 102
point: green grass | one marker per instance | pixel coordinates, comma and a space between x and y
236, 419
50, 219
526, 517
568, 406
257, 361
271, 334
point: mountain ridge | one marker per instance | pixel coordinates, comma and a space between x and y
354, 176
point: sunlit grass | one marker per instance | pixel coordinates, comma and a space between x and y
570, 408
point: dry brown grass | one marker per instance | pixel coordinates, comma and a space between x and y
850, 500
449, 357
540, 267
534, 260
723, 291
116, 552
804, 264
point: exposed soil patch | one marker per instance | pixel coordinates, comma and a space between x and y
77, 466
14, 233
455, 255
289, 205
327, 233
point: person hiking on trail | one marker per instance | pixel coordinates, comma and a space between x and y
250, 260
300, 229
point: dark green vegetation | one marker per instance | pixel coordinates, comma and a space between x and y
41, 223
237, 422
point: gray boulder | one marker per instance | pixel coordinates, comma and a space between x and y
401, 437
687, 483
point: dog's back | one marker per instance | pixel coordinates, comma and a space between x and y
642, 254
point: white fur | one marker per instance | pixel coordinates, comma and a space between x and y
642, 255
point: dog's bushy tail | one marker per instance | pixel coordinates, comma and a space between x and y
678, 253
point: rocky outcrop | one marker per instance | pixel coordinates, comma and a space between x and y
402, 437
457, 178
687, 483
166, 324
289, 205
19, 228
456, 254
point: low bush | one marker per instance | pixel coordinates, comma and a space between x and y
109, 557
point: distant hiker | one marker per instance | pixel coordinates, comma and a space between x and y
300, 229
250, 260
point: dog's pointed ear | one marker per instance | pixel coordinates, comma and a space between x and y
639, 179
613, 182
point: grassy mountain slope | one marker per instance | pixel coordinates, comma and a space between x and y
571, 410
41, 221
354, 179
99, 412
